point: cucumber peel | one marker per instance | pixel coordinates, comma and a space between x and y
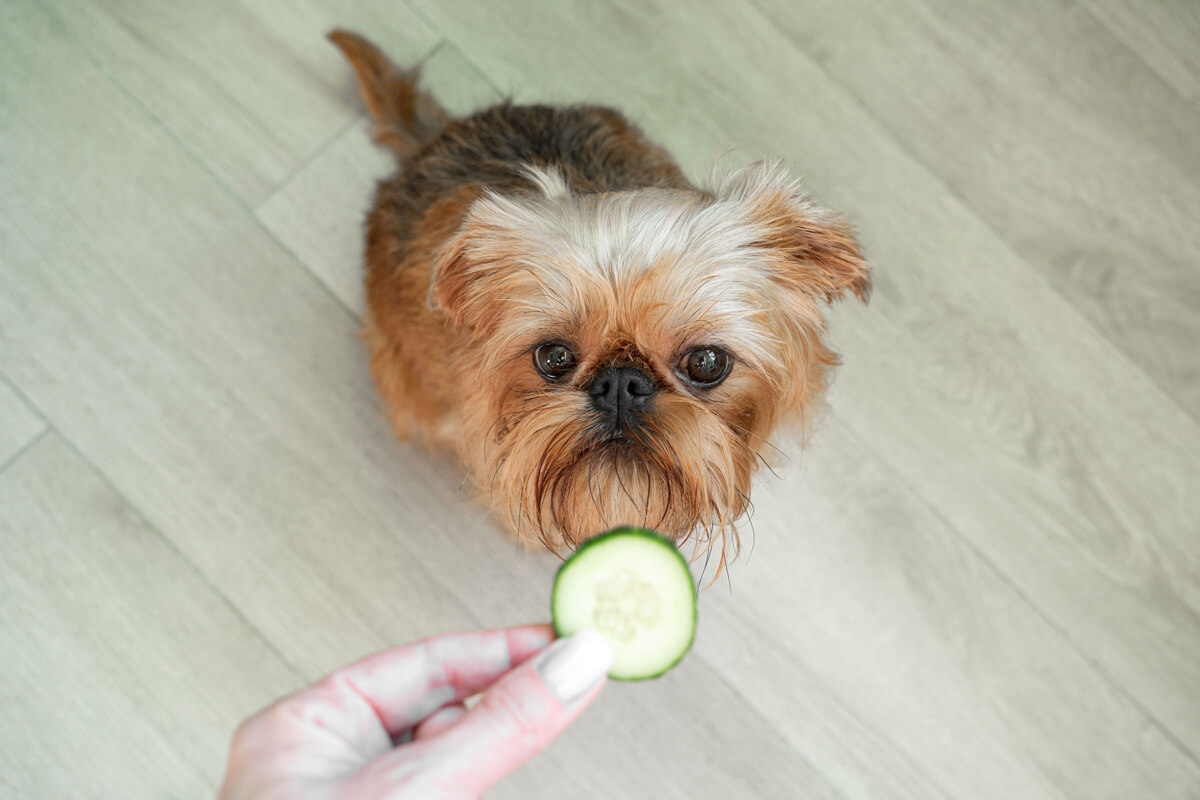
634, 587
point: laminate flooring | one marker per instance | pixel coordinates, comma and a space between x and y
980, 580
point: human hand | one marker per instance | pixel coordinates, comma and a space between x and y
337, 738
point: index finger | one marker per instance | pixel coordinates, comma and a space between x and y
402, 686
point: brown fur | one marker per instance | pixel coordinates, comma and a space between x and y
471, 264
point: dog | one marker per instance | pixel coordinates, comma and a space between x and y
598, 341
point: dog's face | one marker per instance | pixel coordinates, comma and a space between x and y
627, 354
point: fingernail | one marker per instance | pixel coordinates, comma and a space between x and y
573, 665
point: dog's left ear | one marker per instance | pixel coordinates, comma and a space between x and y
814, 250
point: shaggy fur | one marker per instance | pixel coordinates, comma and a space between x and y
523, 225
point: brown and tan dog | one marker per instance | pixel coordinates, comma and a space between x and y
599, 341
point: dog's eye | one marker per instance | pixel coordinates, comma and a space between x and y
706, 366
553, 360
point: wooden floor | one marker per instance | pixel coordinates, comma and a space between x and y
981, 581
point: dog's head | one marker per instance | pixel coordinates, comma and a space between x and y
628, 353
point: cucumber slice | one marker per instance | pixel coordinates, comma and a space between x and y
635, 588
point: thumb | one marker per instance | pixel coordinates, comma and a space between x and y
524, 711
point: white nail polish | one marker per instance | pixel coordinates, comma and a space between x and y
573, 665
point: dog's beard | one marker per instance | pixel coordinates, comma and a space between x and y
560, 475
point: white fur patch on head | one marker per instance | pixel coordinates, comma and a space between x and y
697, 257
549, 180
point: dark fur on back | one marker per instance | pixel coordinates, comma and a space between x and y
595, 148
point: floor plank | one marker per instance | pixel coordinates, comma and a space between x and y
155, 350
114, 645
1061, 139
1164, 34
20, 425
985, 390
924, 644
252, 87
319, 213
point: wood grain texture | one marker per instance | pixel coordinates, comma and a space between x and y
1063, 142
177, 317
1164, 34
19, 424
320, 212
914, 668
981, 581
125, 672
252, 89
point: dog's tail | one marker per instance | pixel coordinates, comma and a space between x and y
405, 117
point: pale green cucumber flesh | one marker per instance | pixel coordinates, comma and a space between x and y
633, 586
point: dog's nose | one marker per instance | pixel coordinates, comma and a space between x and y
621, 391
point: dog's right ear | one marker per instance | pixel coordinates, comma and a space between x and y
483, 268
450, 276
467, 265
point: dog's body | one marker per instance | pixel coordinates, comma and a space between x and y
597, 340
